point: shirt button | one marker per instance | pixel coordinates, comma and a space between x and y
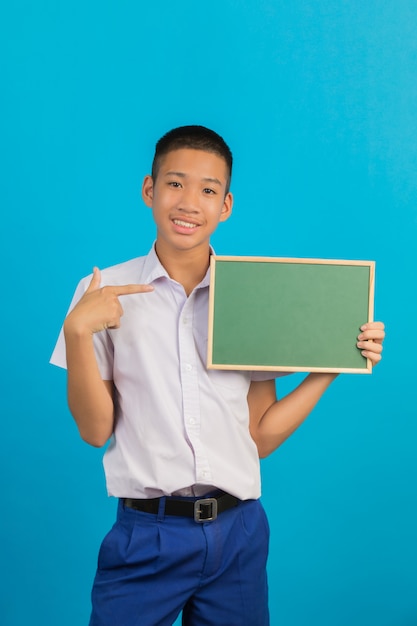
188, 367
191, 420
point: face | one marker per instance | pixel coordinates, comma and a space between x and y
188, 198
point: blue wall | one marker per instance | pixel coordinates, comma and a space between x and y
318, 100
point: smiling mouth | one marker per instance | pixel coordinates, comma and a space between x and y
185, 224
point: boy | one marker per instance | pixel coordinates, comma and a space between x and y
185, 442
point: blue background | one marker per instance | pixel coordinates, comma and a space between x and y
318, 101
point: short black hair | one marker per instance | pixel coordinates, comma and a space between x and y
195, 138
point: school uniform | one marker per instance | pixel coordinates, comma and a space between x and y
190, 532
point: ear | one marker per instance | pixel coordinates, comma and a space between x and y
227, 208
147, 190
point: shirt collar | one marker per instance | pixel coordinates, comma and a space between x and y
153, 269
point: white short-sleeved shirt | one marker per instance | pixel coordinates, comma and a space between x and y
179, 427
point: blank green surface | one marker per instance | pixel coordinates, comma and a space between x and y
301, 315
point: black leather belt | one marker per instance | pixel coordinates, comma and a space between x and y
202, 509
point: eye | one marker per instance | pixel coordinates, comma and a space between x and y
174, 183
208, 191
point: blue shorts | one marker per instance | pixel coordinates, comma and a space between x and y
152, 567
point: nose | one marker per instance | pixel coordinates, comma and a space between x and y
189, 200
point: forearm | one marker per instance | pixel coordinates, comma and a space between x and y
284, 416
89, 396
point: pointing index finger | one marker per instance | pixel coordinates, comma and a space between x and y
125, 290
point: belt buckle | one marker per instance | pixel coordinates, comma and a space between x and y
200, 509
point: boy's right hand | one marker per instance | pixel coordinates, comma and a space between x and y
99, 308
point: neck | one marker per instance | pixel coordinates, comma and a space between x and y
187, 267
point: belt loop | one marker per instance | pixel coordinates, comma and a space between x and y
161, 509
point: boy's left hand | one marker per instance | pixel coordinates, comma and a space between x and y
370, 341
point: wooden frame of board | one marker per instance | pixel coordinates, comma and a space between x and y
288, 315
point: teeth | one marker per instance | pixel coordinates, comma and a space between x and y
185, 224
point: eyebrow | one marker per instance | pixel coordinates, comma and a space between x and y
206, 179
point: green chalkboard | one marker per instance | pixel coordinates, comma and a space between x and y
288, 314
